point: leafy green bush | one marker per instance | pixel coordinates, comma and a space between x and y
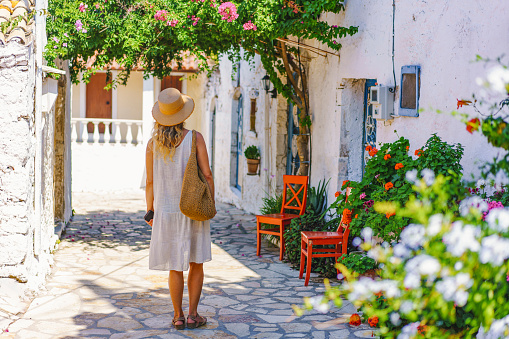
252, 152
272, 204
357, 262
384, 180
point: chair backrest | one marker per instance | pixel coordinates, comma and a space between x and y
291, 194
346, 218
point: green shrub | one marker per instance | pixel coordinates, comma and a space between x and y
252, 152
385, 181
357, 262
272, 204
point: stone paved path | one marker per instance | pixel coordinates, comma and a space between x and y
101, 286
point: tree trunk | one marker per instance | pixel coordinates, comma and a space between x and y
301, 99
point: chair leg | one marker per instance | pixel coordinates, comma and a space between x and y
258, 237
282, 243
302, 258
308, 266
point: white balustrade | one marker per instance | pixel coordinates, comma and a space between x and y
79, 132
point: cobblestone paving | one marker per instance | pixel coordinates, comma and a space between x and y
101, 286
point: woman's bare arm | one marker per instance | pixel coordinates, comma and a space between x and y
149, 189
203, 161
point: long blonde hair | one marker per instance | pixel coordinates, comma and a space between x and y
166, 139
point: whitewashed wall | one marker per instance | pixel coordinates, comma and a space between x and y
443, 37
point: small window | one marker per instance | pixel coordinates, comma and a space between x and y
410, 90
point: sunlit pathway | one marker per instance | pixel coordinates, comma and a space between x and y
101, 285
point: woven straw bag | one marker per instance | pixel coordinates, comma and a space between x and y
196, 199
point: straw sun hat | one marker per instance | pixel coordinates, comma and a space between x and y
172, 107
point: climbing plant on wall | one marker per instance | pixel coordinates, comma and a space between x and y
153, 33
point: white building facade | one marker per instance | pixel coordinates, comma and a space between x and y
439, 39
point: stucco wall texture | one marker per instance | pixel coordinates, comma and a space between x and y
442, 37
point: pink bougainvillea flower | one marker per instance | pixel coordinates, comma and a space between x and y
249, 26
64, 44
55, 39
55, 47
97, 6
172, 23
160, 15
363, 195
79, 25
83, 7
228, 11
84, 30
66, 35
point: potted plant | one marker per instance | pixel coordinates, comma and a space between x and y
252, 155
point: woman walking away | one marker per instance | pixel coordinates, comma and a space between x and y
178, 243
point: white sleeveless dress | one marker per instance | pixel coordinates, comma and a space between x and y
176, 240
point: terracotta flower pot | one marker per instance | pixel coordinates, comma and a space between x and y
252, 166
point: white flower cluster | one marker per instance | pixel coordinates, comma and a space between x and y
408, 331
455, 288
412, 236
319, 304
498, 219
499, 329
365, 288
494, 250
420, 266
461, 238
427, 174
474, 202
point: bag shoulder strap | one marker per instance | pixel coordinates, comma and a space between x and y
193, 147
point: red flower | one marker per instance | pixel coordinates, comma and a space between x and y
369, 148
389, 214
473, 125
462, 103
418, 152
355, 320
373, 152
356, 216
373, 321
345, 182
407, 148
422, 329
387, 156
398, 166
337, 194
389, 185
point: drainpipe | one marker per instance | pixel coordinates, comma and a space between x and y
266, 152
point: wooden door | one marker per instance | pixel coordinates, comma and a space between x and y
172, 81
98, 101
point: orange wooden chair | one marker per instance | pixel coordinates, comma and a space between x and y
282, 219
310, 239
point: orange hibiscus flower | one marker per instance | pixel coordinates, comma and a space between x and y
337, 194
398, 166
356, 216
373, 152
389, 185
373, 321
473, 125
355, 320
418, 152
389, 214
387, 156
369, 148
345, 182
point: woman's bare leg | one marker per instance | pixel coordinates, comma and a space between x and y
176, 284
194, 286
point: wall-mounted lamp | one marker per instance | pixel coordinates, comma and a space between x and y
273, 93
266, 83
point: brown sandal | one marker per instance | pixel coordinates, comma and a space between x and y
198, 321
181, 326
